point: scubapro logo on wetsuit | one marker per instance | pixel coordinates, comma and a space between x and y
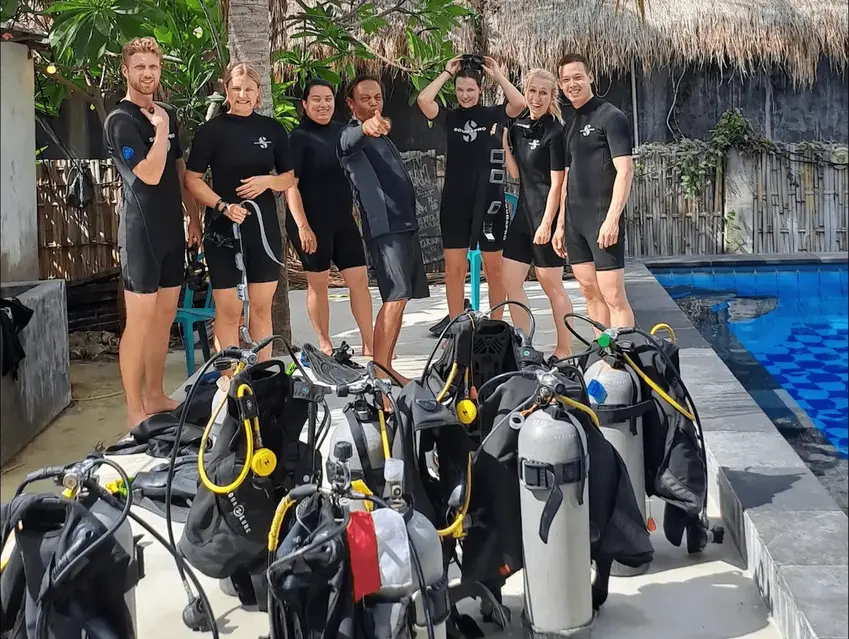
263, 142
470, 130
534, 144
587, 130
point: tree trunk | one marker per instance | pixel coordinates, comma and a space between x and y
249, 41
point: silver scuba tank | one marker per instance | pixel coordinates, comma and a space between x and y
410, 556
609, 389
124, 536
554, 497
362, 431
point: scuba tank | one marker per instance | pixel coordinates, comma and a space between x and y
614, 393
361, 429
553, 467
410, 560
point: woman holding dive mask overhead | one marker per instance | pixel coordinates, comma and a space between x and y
536, 154
472, 213
241, 147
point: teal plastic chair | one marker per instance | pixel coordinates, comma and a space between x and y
187, 316
476, 261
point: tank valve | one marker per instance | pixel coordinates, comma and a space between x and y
195, 617
343, 451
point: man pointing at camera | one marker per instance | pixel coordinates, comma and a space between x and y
143, 140
387, 204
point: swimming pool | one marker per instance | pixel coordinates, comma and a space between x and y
782, 330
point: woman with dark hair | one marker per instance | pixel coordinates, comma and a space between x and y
321, 226
242, 148
473, 213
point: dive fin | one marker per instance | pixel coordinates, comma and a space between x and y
328, 369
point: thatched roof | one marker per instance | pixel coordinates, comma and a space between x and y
741, 34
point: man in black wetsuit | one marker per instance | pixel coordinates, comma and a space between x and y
143, 140
387, 203
599, 170
321, 226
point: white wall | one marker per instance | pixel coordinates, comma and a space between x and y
18, 223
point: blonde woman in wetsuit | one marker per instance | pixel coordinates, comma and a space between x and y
535, 153
472, 213
241, 147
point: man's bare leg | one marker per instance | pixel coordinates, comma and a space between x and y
387, 327
597, 308
356, 279
156, 351
612, 286
141, 310
318, 309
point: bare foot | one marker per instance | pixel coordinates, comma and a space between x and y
134, 419
561, 354
366, 352
326, 348
154, 405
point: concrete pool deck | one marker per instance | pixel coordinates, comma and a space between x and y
707, 596
792, 535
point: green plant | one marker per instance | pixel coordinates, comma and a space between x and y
86, 37
333, 36
697, 161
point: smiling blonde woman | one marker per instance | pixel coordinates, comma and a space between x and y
535, 153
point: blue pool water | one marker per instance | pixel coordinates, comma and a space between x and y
793, 322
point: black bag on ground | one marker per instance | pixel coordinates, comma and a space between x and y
225, 532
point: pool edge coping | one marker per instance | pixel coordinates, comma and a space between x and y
792, 582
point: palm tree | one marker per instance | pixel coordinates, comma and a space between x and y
249, 40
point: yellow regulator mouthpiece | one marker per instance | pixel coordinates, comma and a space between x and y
263, 462
467, 412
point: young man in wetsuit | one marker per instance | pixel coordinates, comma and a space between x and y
143, 140
599, 171
387, 204
321, 226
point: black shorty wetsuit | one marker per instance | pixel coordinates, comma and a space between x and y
598, 133
538, 149
473, 213
387, 203
151, 236
235, 148
326, 194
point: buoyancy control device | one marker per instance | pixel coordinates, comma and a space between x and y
674, 455
616, 530
256, 458
341, 570
70, 563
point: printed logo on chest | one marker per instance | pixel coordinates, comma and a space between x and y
263, 142
587, 130
470, 130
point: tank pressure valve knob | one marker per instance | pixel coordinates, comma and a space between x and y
343, 451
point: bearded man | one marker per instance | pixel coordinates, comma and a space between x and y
143, 140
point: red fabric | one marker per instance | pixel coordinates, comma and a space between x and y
362, 547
